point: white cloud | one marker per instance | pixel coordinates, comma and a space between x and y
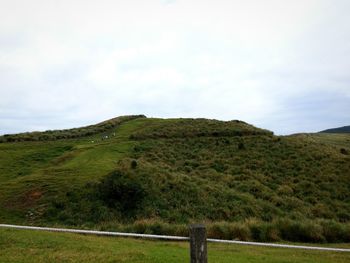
85, 61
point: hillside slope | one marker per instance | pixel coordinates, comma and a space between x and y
168, 172
344, 129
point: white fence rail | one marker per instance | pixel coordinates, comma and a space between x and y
176, 238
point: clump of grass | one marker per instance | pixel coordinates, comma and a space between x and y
301, 231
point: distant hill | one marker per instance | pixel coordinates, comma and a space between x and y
152, 175
344, 129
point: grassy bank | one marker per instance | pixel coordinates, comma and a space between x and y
313, 231
32, 246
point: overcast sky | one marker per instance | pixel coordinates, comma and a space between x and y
280, 65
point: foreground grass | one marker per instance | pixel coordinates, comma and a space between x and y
33, 246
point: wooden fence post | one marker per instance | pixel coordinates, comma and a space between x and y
198, 244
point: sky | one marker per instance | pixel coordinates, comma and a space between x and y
279, 65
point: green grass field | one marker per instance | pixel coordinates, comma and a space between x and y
35, 247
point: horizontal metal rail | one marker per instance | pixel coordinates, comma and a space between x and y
177, 238
276, 245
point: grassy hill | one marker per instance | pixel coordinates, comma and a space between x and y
156, 175
344, 129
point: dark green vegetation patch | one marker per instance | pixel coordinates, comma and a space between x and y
157, 175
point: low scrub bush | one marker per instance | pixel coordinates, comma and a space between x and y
335, 232
122, 191
219, 230
301, 231
263, 231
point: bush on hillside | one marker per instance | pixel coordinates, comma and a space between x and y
122, 191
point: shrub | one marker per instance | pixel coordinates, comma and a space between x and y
264, 232
240, 231
335, 232
133, 164
241, 146
344, 151
219, 230
122, 191
300, 231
